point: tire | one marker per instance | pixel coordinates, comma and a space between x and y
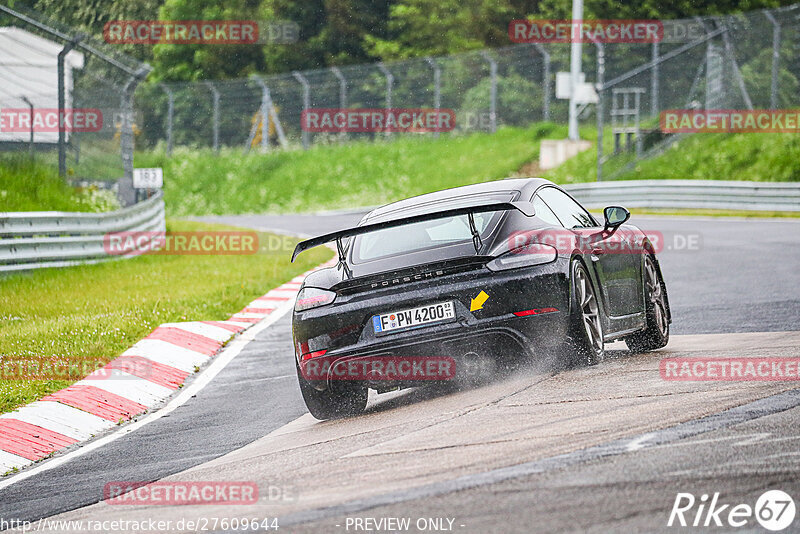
585, 342
341, 399
656, 332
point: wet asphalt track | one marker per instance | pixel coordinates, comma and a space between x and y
742, 276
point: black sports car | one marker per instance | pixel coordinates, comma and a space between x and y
510, 269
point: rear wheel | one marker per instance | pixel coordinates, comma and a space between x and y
656, 332
341, 398
586, 330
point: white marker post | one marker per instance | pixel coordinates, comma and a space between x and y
575, 70
146, 180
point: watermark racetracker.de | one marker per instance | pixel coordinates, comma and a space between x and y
50, 120
201, 32
171, 493
353, 120
589, 240
195, 243
730, 121
314, 366
65, 368
585, 31
743, 369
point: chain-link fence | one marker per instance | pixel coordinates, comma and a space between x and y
739, 62
66, 99
485, 89
732, 62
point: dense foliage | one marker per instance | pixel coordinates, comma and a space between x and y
339, 32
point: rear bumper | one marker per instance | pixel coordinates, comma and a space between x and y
344, 330
510, 338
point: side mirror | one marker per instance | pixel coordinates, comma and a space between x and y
615, 216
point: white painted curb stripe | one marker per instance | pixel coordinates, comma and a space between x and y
66, 420
265, 304
9, 461
237, 323
168, 354
249, 315
80, 425
281, 293
214, 332
132, 388
217, 365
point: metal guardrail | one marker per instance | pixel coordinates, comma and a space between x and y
689, 194
32, 240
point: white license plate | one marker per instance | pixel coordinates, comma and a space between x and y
431, 313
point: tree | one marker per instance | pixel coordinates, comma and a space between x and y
332, 32
207, 61
440, 27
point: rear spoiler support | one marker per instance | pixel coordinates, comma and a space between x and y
342, 257
526, 208
476, 236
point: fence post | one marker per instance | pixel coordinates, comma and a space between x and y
215, 95
342, 91
654, 81
776, 56
493, 94
437, 88
546, 81
306, 103
126, 129
601, 70
266, 103
170, 112
62, 149
30, 105
736, 72
389, 82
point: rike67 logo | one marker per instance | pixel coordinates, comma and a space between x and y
774, 510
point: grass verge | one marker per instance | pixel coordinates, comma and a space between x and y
761, 157
715, 213
92, 313
198, 182
29, 185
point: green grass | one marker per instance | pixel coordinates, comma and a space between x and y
95, 312
714, 213
762, 157
340, 176
28, 185
376, 172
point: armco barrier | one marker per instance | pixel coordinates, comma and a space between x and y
689, 194
31, 240
56, 239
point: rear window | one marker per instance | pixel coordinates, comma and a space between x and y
429, 234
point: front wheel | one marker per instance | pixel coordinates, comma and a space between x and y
656, 332
341, 398
586, 328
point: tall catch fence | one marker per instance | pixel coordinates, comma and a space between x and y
745, 61
45, 67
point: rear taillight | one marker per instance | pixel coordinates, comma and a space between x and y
524, 256
315, 354
312, 297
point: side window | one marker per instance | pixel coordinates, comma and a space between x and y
544, 212
570, 213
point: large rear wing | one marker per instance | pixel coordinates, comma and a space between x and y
526, 208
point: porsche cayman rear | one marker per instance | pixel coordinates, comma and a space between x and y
423, 289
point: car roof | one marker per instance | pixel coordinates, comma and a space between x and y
526, 186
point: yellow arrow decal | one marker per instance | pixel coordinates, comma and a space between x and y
477, 302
